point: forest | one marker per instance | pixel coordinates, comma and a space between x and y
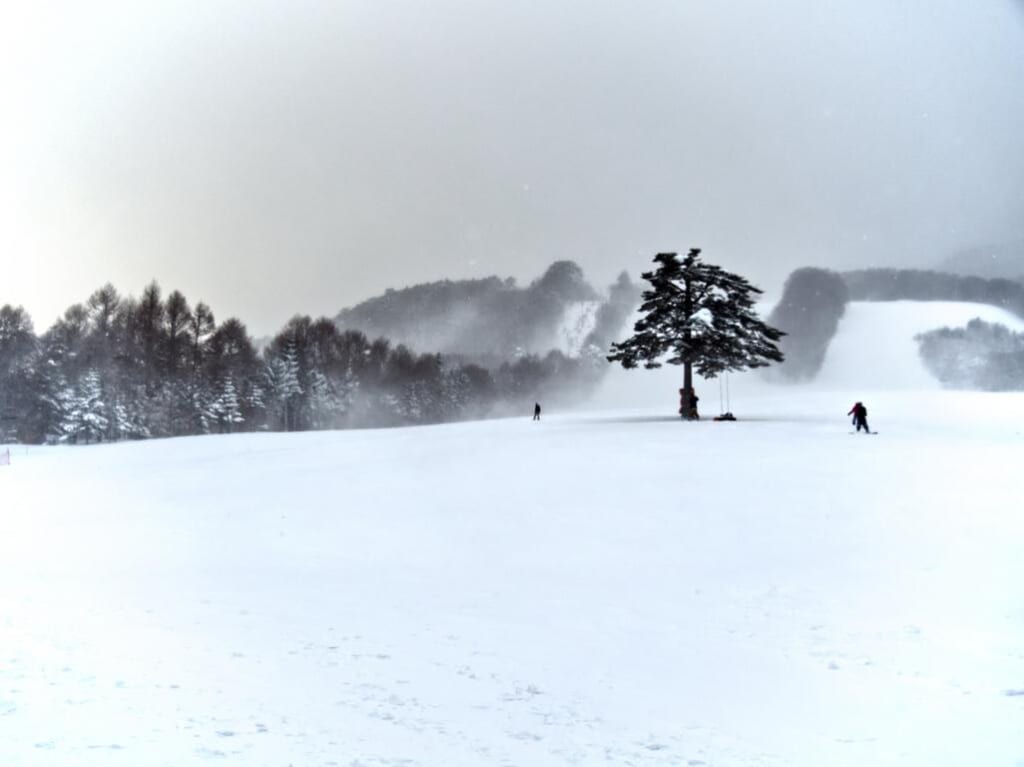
119, 367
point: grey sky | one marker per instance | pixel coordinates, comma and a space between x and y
274, 158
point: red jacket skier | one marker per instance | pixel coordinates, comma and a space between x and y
860, 417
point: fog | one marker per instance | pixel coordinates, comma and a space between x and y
274, 158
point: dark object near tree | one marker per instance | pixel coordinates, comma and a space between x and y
724, 417
702, 317
688, 401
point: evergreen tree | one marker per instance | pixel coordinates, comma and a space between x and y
85, 414
226, 408
702, 317
282, 377
202, 410
326, 402
457, 389
18, 347
178, 321
199, 327
813, 301
149, 326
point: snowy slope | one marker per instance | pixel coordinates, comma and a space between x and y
577, 323
874, 346
605, 589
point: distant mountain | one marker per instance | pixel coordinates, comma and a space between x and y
1005, 261
494, 318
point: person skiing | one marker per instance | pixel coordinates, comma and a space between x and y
860, 417
536, 411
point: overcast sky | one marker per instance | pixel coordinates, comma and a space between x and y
275, 158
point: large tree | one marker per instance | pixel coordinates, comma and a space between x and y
701, 317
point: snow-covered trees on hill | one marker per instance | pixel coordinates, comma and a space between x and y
981, 355
813, 302
18, 347
490, 316
923, 285
118, 367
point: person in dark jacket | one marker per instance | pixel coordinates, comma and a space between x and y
536, 411
860, 417
688, 400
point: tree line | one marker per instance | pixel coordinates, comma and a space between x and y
925, 285
982, 355
119, 367
813, 301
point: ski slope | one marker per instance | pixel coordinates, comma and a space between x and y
874, 346
578, 321
611, 587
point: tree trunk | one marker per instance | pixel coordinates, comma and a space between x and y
687, 366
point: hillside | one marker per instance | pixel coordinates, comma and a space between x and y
875, 346
814, 302
494, 318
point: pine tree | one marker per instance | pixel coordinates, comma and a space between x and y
325, 406
226, 408
18, 349
456, 393
85, 414
256, 405
178, 321
702, 317
282, 377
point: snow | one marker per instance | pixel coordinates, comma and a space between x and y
612, 587
875, 344
577, 323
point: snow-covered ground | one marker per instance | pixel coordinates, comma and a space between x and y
608, 588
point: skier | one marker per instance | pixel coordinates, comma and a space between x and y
860, 417
536, 411
694, 399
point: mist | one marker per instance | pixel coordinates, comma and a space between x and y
272, 160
